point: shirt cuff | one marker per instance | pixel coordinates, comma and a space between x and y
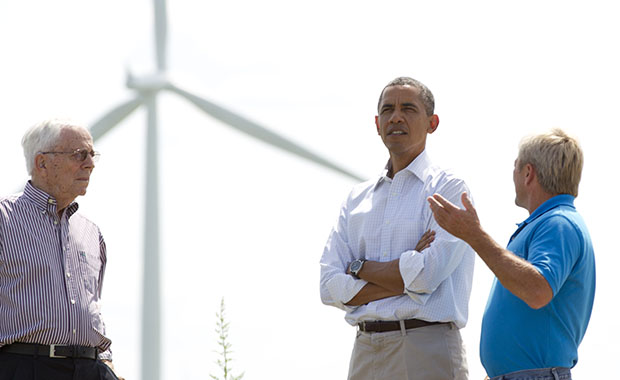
410, 265
342, 288
106, 355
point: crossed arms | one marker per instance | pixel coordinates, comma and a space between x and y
384, 278
410, 272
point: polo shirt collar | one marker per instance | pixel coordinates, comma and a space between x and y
551, 203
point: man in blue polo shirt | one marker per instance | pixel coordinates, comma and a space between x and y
541, 299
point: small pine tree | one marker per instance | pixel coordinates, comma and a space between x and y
221, 328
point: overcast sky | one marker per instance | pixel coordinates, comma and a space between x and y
243, 221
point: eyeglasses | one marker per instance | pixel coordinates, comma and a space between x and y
79, 154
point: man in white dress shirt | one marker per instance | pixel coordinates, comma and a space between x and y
402, 279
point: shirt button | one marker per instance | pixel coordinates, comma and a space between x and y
55, 222
68, 274
72, 302
74, 331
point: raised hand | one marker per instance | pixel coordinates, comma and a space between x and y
458, 222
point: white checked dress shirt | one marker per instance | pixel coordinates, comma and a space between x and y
383, 220
51, 272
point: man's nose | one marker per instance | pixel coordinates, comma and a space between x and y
89, 162
396, 117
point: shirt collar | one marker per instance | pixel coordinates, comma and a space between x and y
549, 204
44, 201
417, 167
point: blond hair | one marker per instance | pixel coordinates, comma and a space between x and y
557, 158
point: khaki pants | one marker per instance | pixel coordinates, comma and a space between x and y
426, 353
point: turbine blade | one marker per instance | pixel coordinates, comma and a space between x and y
115, 116
249, 127
161, 34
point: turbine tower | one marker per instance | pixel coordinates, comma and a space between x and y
145, 91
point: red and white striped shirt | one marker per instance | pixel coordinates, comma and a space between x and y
51, 273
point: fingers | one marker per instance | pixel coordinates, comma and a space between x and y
446, 204
441, 207
438, 209
437, 200
425, 241
428, 235
434, 204
422, 248
466, 202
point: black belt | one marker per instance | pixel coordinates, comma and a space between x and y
384, 326
52, 351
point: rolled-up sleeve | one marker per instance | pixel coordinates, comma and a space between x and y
423, 272
337, 287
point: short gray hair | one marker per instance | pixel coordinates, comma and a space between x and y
425, 94
42, 137
557, 158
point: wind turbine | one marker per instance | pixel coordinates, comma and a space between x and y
146, 90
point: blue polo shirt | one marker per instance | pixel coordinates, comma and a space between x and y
516, 337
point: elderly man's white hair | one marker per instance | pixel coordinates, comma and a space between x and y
44, 136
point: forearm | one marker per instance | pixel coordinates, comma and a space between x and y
385, 275
371, 292
516, 274
383, 280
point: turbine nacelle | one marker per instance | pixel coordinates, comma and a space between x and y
150, 83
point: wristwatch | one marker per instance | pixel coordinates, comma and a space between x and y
356, 267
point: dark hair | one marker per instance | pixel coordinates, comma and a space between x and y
425, 94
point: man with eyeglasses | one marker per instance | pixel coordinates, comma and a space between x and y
52, 262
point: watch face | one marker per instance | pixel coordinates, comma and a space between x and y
355, 266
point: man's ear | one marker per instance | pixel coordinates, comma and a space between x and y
39, 161
377, 124
433, 124
530, 173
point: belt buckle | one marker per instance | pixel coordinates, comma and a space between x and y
53, 352
363, 326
